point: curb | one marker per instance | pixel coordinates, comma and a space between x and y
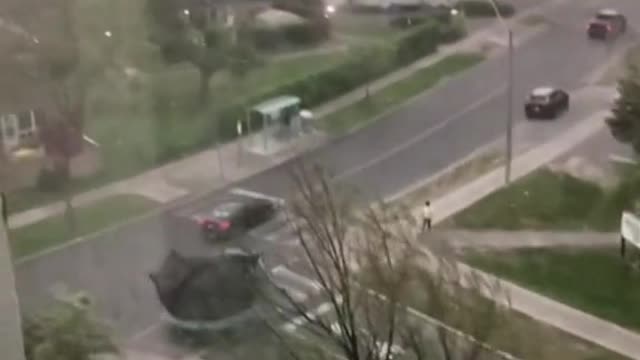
459, 165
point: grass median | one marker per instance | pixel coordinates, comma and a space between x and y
596, 281
367, 109
53, 231
551, 200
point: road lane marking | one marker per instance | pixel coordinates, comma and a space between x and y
257, 195
423, 135
285, 273
298, 321
296, 295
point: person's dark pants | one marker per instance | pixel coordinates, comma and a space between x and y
426, 223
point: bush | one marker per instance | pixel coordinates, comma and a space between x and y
51, 179
307, 33
483, 8
419, 43
451, 33
407, 21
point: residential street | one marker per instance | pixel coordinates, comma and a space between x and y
452, 120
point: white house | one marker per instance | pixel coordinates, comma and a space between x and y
18, 130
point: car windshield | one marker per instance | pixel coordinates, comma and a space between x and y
605, 16
226, 210
538, 99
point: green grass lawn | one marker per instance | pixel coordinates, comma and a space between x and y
542, 200
596, 281
360, 113
514, 333
53, 231
545, 200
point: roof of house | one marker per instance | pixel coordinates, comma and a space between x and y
276, 104
275, 18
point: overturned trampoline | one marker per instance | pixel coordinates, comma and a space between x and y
210, 293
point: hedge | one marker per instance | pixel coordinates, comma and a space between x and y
306, 33
483, 8
313, 89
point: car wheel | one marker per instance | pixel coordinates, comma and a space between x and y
208, 235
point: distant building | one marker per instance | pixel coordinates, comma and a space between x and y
226, 11
25, 106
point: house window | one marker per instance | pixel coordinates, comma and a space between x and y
9, 123
9, 132
24, 121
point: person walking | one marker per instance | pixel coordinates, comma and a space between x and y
427, 216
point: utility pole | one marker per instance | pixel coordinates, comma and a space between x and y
509, 142
239, 138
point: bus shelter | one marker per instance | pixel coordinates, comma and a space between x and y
281, 118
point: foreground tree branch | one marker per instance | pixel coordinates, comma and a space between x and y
368, 268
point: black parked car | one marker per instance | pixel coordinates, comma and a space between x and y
546, 103
607, 24
234, 218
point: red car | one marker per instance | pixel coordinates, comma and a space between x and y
606, 24
234, 218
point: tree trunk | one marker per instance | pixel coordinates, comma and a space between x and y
203, 90
69, 212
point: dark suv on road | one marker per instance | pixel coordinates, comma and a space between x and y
607, 24
546, 103
232, 219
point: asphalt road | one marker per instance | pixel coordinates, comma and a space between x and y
446, 123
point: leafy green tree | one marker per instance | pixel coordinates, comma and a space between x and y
55, 63
193, 34
67, 331
625, 120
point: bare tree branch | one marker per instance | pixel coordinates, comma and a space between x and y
348, 249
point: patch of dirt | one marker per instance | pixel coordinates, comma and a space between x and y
582, 168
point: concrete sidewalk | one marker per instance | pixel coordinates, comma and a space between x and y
504, 240
202, 171
578, 323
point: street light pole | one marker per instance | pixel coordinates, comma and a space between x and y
509, 124
509, 142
